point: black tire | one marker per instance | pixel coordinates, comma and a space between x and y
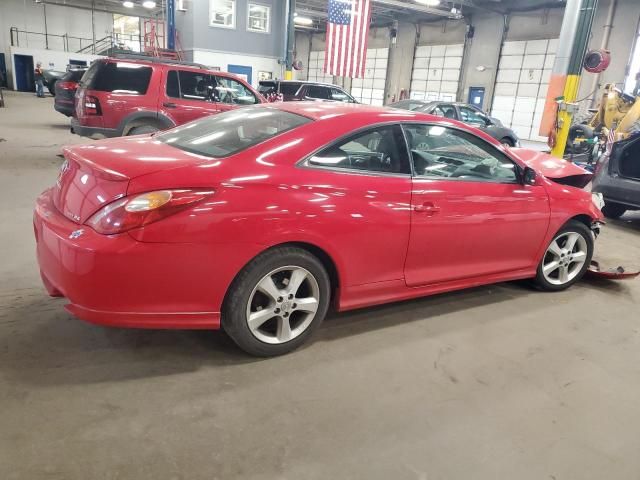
507, 141
572, 226
142, 129
613, 210
234, 310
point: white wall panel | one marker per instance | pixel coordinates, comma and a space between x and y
524, 70
436, 72
371, 89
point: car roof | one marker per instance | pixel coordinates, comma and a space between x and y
331, 110
162, 62
302, 82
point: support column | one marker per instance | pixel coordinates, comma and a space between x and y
171, 24
290, 36
565, 77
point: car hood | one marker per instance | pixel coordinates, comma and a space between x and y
556, 169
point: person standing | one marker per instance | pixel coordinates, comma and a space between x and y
39, 78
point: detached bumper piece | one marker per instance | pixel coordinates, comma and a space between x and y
618, 273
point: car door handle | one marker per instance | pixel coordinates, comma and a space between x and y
169, 105
428, 208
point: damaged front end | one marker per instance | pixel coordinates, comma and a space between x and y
595, 270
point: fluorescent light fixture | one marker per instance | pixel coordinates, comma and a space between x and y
429, 3
303, 20
127, 4
149, 4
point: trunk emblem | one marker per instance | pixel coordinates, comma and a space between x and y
76, 234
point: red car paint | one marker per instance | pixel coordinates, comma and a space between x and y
103, 113
390, 237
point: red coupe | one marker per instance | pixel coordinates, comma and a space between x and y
256, 220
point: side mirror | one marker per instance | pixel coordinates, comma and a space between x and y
529, 176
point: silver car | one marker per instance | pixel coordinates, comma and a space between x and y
465, 113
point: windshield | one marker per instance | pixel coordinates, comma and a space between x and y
227, 133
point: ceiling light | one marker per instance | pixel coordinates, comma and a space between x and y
302, 20
127, 4
429, 3
149, 4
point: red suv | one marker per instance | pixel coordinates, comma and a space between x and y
126, 95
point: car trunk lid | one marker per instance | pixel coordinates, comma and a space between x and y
96, 174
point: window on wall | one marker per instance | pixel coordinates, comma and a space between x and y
259, 18
222, 13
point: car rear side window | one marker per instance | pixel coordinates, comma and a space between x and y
120, 77
316, 91
289, 89
379, 150
227, 133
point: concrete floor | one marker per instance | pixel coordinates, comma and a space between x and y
492, 383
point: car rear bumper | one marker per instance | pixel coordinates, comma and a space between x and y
93, 132
65, 109
117, 281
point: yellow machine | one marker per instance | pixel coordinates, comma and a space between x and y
616, 110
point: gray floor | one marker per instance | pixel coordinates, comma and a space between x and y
492, 383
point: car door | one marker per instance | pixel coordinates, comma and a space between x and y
362, 186
187, 96
471, 216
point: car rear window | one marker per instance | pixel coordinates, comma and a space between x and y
118, 77
73, 75
227, 133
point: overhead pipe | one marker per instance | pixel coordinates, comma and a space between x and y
417, 8
604, 44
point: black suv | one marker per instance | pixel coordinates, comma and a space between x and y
294, 90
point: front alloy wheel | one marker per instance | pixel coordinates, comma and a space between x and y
566, 258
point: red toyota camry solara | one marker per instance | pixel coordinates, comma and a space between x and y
256, 220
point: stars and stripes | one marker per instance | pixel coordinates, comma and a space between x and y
346, 41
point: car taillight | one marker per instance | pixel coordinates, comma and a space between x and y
67, 85
92, 105
140, 210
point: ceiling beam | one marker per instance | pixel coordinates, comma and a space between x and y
416, 8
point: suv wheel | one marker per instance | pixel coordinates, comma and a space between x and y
142, 129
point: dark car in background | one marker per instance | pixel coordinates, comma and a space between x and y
133, 94
465, 113
617, 178
294, 90
65, 91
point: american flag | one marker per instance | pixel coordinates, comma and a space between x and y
346, 42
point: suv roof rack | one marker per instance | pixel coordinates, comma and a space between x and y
148, 58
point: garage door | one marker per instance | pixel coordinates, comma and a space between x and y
316, 64
436, 72
370, 89
521, 85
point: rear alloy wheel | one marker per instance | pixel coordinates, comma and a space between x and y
277, 302
142, 130
613, 210
567, 258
